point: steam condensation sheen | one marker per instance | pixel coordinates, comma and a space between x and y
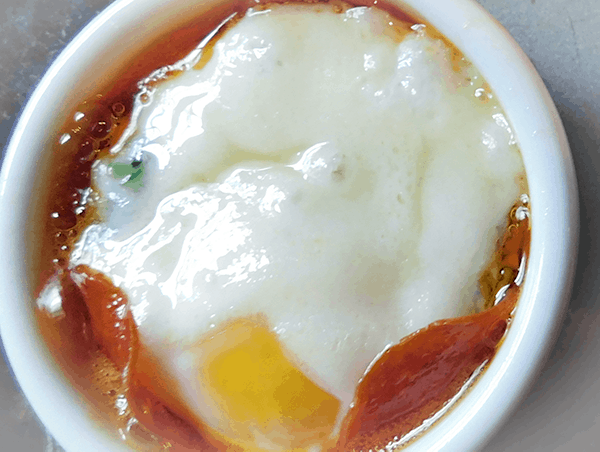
324, 172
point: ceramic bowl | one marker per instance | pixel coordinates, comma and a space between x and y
123, 29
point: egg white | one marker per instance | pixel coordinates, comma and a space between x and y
317, 170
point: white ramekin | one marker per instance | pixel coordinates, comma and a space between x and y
124, 28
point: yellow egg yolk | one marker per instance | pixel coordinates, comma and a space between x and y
269, 402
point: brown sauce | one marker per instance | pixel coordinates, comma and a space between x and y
413, 380
94, 339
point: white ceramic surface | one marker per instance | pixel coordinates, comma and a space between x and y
124, 26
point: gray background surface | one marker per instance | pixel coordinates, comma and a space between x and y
562, 38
